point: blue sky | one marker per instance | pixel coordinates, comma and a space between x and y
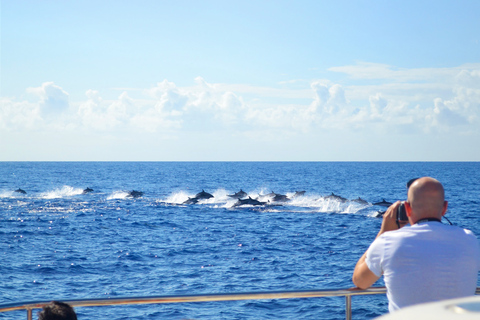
240, 80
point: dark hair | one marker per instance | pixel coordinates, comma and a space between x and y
410, 182
57, 310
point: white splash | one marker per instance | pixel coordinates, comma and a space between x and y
65, 191
118, 195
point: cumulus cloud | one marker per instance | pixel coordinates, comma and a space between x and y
427, 100
94, 113
213, 105
445, 116
125, 114
170, 100
377, 104
328, 100
52, 99
21, 115
168, 109
463, 109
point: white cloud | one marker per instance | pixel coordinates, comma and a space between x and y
328, 100
377, 104
445, 116
463, 109
213, 105
126, 114
166, 109
377, 71
94, 113
281, 118
19, 115
153, 121
51, 98
169, 98
433, 100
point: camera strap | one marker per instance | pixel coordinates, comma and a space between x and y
428, 219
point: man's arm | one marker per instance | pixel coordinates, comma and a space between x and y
363, 277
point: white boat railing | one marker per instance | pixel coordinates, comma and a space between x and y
347, 293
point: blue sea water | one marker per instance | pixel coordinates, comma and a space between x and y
58, 243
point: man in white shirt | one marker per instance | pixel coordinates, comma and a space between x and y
426, 261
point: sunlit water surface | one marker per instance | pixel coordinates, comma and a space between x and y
60, 244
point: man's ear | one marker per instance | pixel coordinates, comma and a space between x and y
445, 206
408, 209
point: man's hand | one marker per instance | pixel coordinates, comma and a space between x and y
389, 222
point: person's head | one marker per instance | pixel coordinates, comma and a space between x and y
426, 199
56, 310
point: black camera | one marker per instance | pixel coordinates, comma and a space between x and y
401, 212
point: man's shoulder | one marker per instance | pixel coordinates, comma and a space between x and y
457, 229
445, 229
457, 234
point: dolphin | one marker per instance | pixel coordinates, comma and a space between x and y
203, 195
135, 194
266, 196
360, 200
276, 197
199, 196
191, 201
279, 198
271, 194
85, 191
248, 201
383, 203
379, 214
298, 194
238, 195
21, 191
333, 196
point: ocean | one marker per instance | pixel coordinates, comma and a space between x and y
59, 243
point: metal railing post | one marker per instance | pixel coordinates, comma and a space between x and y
29, 314
348, 307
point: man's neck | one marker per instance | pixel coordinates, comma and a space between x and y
427, 220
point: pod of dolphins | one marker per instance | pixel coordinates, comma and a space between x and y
244, 200
133, 193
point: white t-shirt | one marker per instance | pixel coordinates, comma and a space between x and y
425, 262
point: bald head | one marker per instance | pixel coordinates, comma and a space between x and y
426, 198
